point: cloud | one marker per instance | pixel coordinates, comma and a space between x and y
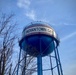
68, 36
69, 24
31, 15
23, 3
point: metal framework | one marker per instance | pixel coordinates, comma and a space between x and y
40, 70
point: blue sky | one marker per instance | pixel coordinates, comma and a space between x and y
60, 14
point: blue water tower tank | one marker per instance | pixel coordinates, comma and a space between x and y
38, 38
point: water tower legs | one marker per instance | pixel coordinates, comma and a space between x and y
39, 61
19, 61
39, 65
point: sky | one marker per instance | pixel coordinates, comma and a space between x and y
60, 14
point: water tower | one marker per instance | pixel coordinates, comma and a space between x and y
39, 39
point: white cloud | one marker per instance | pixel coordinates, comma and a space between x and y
68, 24
23, 3
31, 15
28, 11
65, 24
68, 36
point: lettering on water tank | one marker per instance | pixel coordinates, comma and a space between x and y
39, 29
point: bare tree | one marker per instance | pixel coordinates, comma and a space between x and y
7, 42
27, 65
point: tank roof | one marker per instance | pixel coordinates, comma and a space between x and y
37, 23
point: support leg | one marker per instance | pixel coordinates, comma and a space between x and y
18, 62
39, 65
